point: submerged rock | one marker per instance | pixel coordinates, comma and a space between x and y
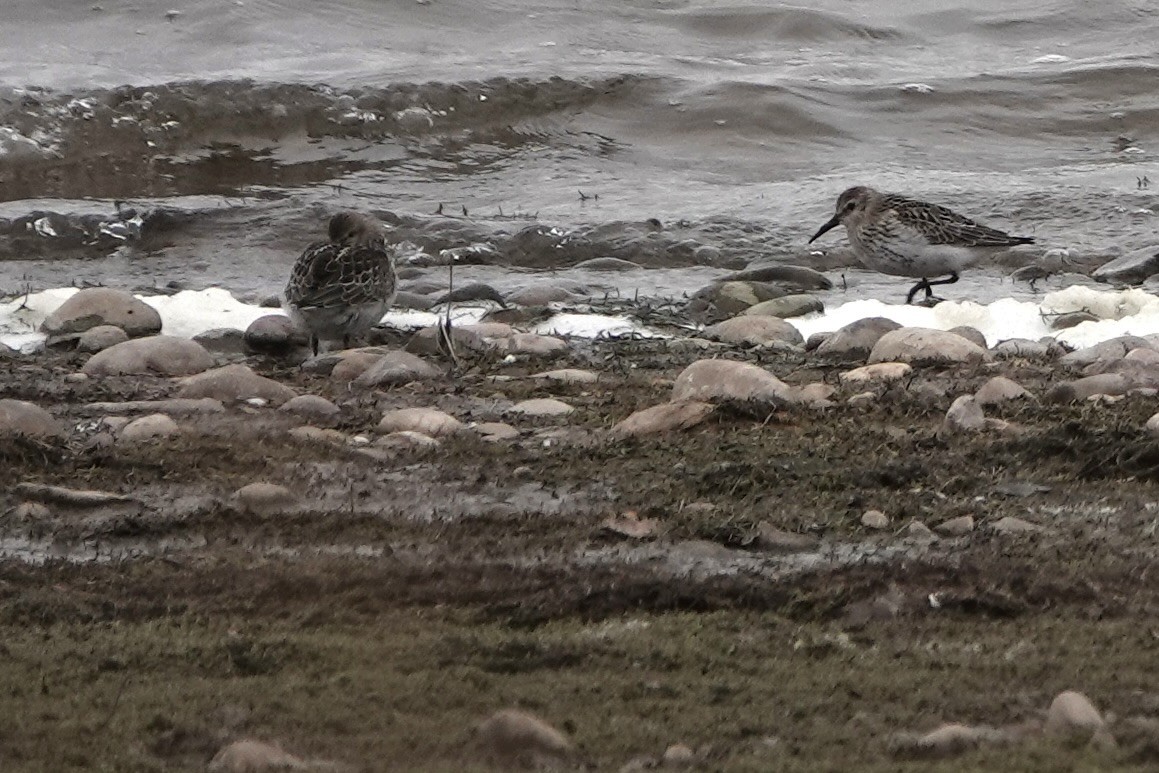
1133, 268
787, 306
797, 276
999, 390
151, 427
1072, 714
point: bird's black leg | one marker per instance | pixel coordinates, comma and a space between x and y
953, 278
922, 285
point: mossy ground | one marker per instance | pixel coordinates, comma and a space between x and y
376, 632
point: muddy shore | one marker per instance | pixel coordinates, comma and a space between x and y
794, 579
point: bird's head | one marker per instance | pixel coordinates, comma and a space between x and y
348, 227
851, 207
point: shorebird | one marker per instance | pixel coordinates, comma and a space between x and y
906, 237
340, 289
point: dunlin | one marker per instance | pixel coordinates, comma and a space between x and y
340, 289
906, 237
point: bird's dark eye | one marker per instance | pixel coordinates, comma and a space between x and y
851, 206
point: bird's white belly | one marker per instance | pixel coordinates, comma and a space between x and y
914, 258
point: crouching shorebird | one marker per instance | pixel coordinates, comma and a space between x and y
340, 289
906, 237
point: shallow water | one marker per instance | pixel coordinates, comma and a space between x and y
234, 127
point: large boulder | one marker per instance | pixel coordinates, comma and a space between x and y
160, 355
102, 306
925, 346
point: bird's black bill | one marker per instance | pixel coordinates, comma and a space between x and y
833, 223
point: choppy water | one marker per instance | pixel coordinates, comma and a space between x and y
233, 126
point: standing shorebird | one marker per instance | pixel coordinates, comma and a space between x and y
906, 237
340, 289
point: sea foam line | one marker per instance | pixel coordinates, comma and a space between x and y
1120, 312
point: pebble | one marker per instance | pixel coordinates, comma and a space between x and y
666, 417
429, 421
881, 372
265, 499
948, 740
407, 439
97, 306
925, 346
516, 739
311, 407
151, 427
533, 344
862, 398
856, 340
919, 531
754, 331
404, 299
568, 376
965, 415
174, 406
540, 295
250, 756
678, 755
956, 527
542, 406
20, 418
312, 434
816, 395
1152, 425
712, 380
99, 338
155, 355
874, 519
999, 390
1012, 525
395, 369
496, 430
1072, 714
234, 383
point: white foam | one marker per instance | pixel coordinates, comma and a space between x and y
1120, 312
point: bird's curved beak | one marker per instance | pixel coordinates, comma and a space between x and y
832, 223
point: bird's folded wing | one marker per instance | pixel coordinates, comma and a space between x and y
939, 225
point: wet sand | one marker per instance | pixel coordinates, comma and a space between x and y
713, 586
